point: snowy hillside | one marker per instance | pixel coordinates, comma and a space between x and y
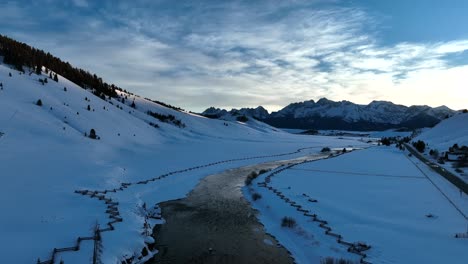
46, 157
450, 131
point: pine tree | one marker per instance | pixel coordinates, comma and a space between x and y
92, 134
133, 104
386, 141
38, 70
419, 145
242, 118
89, 108
39, 102
56, 78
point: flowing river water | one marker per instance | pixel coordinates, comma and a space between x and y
216, 224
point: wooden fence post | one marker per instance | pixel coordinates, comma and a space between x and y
97, 245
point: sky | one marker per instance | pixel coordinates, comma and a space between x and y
232, 54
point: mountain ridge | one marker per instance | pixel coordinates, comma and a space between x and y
329, 114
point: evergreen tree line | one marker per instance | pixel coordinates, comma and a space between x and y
22, 55
166, 118
166, 105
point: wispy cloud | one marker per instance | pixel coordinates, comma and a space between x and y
80, 3
242, 53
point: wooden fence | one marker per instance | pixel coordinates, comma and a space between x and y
357, 248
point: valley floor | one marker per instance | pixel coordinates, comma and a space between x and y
51, 171
58, 184
406, 212
376, 195
42, 207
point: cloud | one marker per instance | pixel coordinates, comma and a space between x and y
451, 47
80, 3
241, 53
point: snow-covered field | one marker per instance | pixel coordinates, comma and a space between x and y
379, 196
45, 157
370, 134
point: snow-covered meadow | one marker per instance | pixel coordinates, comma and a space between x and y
363, 134
379, 196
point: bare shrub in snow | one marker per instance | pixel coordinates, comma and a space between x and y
256, 196
250, 178
325, 149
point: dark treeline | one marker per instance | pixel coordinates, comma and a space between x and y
22, 55
166, 118
166, 105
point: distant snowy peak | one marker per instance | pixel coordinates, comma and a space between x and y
259, 112
376, 111
328, 114
214, 112
441, 112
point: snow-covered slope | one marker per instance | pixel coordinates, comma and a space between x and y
45, 157
453, 130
